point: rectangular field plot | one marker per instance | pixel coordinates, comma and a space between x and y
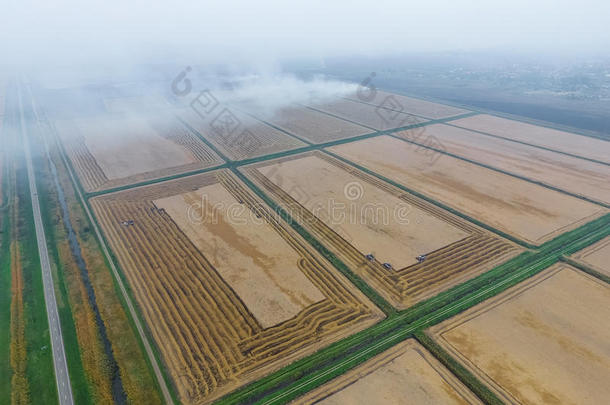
315, 126
517, 207
411, 105
113, 151
371, 116
544, 341
355, 215
237, 135
407, 370
136, 104
596, 256
577, 176
561, 141
229, 294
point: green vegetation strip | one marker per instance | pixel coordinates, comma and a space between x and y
81, 388
39, 370
476, 386
311, 372
5, 268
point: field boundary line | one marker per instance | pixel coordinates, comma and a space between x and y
496, 169
531, 144
588, 233
483, 225
509, 116
585, 268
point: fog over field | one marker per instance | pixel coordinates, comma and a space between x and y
246, 51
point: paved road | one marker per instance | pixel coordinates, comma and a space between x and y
139, 326
62, 377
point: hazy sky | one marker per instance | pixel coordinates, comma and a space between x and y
75, 31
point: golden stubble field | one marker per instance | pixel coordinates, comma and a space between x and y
596, 256
406, 373
117, 150
544, 341
355, 215
578, 176
580, 145
229, 293
237, 135
411, 105
527, 211
315, 126
368, 115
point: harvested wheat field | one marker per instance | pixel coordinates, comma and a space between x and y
114, 151
596, 256
577, 176
228, 292
580, 145
237, 135
405, 374
355, 215
544, 341
137, 104
517, 207
373, 117
410, 105
314, 126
